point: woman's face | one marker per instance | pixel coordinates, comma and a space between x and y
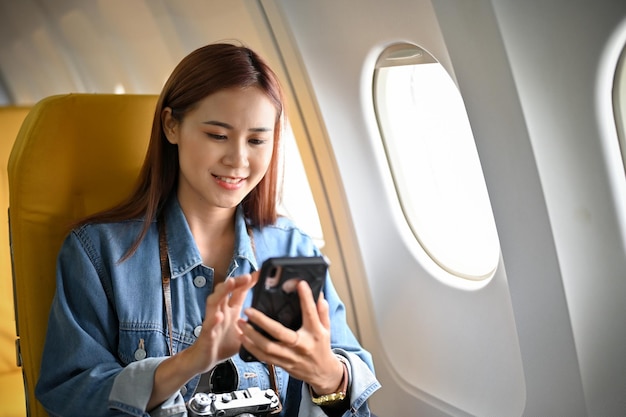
224, 145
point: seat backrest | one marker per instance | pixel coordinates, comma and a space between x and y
11, 391
74, 155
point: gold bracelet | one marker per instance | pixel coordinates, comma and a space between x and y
329, 399
339, 395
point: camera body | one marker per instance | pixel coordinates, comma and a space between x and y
253, 402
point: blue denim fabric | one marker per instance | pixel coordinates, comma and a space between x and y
107, 330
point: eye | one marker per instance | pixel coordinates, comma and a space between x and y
216, 136
256, 141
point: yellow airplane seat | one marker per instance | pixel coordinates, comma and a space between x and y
74, 155
12, 402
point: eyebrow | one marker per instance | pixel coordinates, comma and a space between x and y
228, 126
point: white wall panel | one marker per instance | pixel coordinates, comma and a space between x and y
442, 345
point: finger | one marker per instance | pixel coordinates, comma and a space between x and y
238, 294
217, 302
323, 311
272, 327
255, 278
219, 295
223, 289
213, 320
307, 304
295, 341
241, 283
252, 340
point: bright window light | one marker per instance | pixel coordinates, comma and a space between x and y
433, 159
296, 200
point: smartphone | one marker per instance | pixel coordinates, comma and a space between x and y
275, 293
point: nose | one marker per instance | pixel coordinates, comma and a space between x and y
236, 153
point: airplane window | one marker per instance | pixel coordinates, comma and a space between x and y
619, 102
434, 163
296, 201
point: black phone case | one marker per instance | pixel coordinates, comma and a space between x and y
275, 295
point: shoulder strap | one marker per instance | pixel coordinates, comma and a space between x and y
165, 279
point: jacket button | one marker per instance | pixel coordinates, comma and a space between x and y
197, 331
140, 354
199, 281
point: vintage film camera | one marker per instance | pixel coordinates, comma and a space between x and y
251, 402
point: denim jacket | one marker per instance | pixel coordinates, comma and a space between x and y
107, 330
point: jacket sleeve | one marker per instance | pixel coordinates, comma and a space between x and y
133, 386
80, 373
362, 385
362, 381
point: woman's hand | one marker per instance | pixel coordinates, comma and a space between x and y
220, 338
305, 354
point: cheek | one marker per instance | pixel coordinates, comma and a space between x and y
264, 161
193, 151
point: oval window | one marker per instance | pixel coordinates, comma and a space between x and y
434, 162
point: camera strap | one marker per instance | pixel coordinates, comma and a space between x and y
166, 276
167, 295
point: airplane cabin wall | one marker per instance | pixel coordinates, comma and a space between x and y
442, 345
564, 61
535, 78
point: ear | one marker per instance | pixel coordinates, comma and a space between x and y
170, 125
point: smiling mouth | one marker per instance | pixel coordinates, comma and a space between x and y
229, 180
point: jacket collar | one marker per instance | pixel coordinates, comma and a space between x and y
182, 250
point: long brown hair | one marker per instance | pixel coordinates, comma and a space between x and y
205, 71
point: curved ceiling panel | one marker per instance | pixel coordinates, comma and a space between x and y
99, 46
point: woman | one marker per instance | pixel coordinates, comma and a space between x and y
151, 294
